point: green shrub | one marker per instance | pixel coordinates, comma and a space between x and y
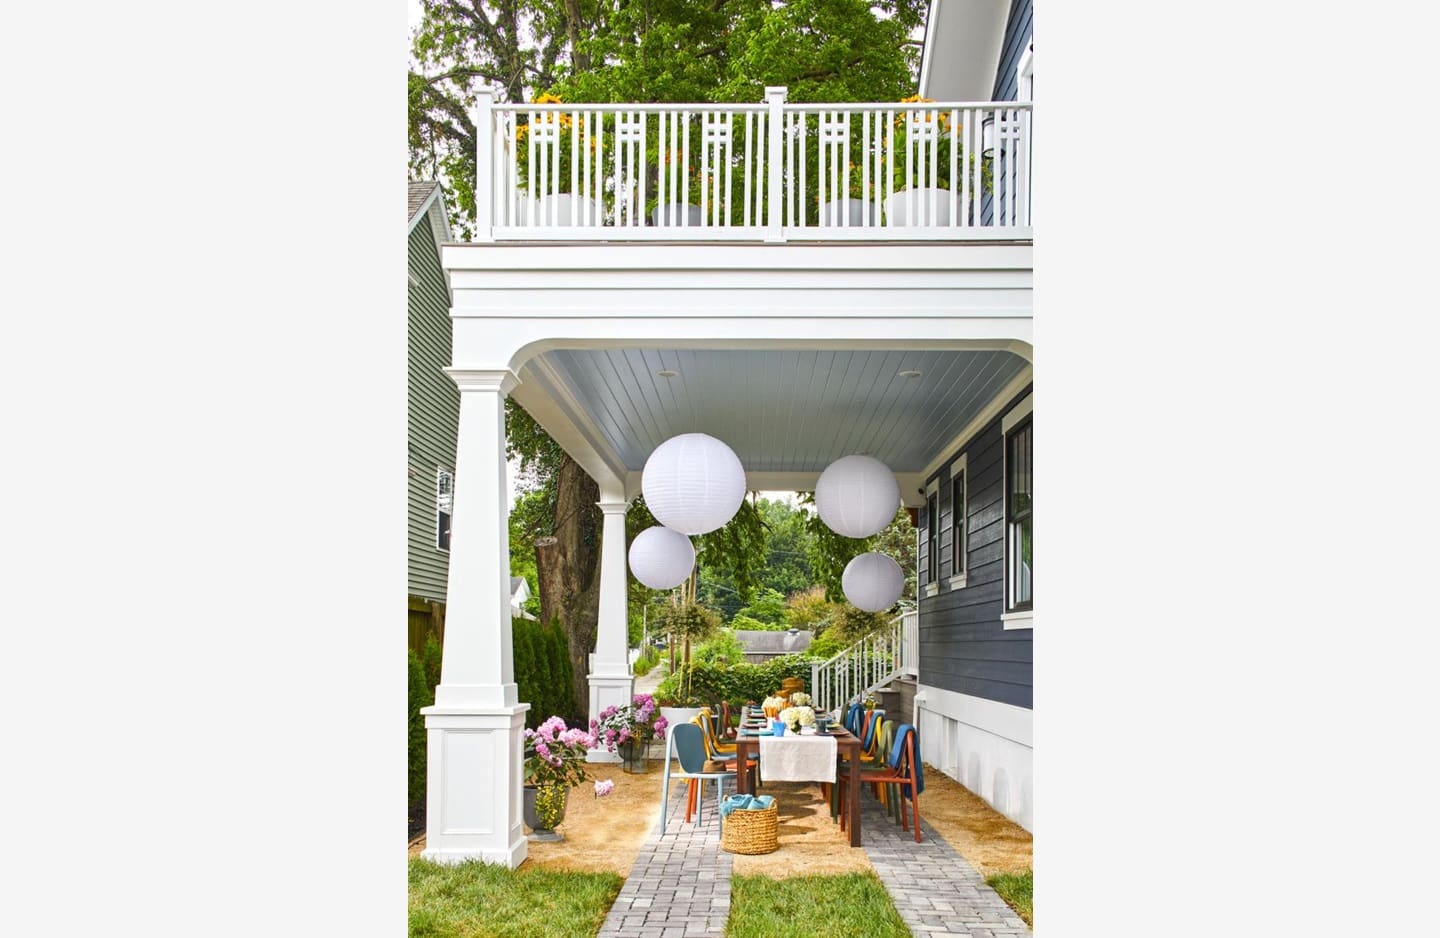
420, 696
742, 682
562, 674
745, 623
431, 658
649, 657
724, 648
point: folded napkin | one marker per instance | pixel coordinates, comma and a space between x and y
745, 803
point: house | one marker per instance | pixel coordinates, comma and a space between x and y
761, 645
827, 296
519, 595
433, 408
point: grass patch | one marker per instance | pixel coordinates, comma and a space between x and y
484, 900
851, 906
1018, 891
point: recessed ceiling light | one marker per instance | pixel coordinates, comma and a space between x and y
910, 373
667, 373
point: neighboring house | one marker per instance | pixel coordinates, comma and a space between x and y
898, 326
519, 595
433, 409
761, 646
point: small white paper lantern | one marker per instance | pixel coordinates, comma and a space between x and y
661, 558
857, 496
872, 582
693, 483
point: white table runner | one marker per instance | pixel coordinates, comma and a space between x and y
792, 758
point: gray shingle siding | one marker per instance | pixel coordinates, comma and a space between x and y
433, 411
963, 646
1017, 36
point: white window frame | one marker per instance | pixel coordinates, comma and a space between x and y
1025, 73
444, 503
1026, 618
932, 586
962, 551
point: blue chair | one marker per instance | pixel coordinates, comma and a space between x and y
687, 741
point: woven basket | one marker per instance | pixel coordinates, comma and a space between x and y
750, 831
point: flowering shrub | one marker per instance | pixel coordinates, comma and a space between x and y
638, 720
555, 755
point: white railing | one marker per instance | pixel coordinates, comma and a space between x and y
774, 171
872, 662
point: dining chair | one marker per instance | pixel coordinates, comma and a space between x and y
904, 770
686, 741
716, 754
711, 734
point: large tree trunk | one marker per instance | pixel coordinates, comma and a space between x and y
566, 568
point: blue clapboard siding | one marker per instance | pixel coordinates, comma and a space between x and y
1017, 37
963, 647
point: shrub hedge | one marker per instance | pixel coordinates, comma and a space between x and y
738, 683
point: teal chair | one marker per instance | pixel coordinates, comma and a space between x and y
687, 742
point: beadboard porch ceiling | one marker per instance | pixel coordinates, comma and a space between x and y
782, 411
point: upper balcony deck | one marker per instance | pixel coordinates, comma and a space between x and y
768, 172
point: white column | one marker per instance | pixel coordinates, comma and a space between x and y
475, 729
610, 681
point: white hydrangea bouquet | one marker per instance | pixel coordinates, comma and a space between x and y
773, 705
800, 699
794, 717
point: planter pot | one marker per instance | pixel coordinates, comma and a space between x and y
545, 809
677, 715
569, 211
918, 207
676, 214
634, 757
844, 213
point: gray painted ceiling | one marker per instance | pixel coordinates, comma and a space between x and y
785, 411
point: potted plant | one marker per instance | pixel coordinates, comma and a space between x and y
554, 764
629, 730
915, 200
552, 131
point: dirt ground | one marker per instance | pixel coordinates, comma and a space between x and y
607, 833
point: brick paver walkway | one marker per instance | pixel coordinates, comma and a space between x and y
680, 883
936, 891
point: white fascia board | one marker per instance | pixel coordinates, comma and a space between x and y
700, 255
963, 42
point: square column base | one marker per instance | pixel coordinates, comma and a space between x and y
615, 690
474, 776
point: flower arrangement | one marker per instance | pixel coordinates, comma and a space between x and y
603, 788
555, 755
800, 699
794, 717
639, 720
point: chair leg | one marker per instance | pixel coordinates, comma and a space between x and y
915, 806
690, 805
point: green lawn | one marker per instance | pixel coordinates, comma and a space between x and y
851, 906
1017, 889
480, 900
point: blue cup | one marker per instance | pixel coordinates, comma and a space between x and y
779, 727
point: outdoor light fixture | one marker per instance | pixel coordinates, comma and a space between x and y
857, 496
666, 373
872, 582
661, 558
987, 138
910, 373
693, 483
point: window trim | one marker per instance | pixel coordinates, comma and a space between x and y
932, 538
1025, 74
960, 533
448, 512
1014, 618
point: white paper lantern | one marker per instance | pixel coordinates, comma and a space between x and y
693, 483
661, 558
872, 582
857, 496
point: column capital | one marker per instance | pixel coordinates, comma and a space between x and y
499, 380
612, 506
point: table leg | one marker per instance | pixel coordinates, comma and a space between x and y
742, 777
854, 806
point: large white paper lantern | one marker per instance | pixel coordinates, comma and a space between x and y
693, 483
661, 558
857, 496
872, 582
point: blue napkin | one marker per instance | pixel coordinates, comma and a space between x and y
745, 803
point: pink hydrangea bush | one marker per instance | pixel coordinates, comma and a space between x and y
555, 754
639, 720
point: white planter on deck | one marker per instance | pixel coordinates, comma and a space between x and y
844, 212
665, 216
569, 212
921, 207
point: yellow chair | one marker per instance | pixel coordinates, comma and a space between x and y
713, 740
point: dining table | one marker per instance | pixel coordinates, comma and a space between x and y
847, 744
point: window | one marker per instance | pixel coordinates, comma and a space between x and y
444, 498
1019, 517
958, 544
1025, 75
932, 536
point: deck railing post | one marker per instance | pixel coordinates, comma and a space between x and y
775, 191
484, 117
